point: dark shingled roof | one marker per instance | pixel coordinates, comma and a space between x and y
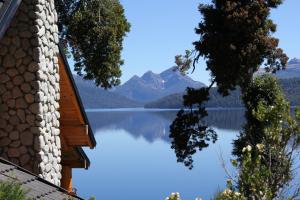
1, 3
8, 9
37, 187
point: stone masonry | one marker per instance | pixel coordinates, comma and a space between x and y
29, 90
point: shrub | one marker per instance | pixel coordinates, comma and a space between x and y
11, 190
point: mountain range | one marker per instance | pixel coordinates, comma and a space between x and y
152, 86
291, 88
289, 79
292, 70
165, 90
94, 97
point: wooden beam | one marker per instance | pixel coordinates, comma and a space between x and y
75, 130
73, 159
75, 142
66, 181
64, 145
76, 135
74, 163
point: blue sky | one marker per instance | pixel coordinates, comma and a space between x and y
161, 29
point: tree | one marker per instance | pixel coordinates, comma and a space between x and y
188, 131
266, 147
93, 32
235, 40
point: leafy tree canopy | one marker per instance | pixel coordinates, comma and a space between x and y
235, 40
93, 32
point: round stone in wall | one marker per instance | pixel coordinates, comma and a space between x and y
13, 152
26, 138
20, 103
9, 61
24, 159
14, 135
29, 98
18, 80
4, 142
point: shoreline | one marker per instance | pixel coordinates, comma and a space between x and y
142, 109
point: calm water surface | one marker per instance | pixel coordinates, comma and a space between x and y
133, 159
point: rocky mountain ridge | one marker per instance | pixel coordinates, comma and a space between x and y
152, 86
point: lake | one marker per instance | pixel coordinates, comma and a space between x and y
134, 160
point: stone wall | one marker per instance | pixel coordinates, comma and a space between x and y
29, 90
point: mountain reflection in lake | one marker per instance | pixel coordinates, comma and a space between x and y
155, 125
134, 160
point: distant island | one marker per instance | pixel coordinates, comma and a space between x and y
165, 90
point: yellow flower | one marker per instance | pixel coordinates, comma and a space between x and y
227, 192
260, 147
247, 148
237, 194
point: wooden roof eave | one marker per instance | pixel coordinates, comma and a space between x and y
75, 158
84, 156
92, 141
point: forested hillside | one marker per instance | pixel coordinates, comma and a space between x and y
291, 89
95, 97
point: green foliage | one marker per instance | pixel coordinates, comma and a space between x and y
188, 132
10, 190
265, 104
235, 40
265, 148
271, 135
184, 61
228, 194
174, 196
94, 31
253, 174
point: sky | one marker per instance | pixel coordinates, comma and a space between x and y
161, 29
